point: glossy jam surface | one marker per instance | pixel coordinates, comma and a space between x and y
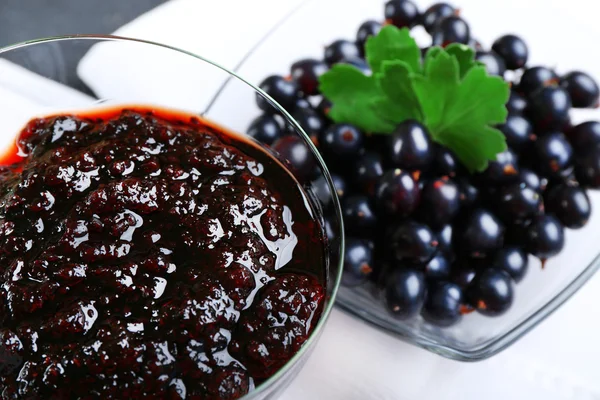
150, 254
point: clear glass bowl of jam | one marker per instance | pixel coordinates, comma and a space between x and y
148, 250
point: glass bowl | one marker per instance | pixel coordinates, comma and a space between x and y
476, 337
84, 72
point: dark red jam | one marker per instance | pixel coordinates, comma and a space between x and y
150, 254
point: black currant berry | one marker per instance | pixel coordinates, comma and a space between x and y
494, 64
404, 292
265, 129
513, 51
365, 31
413, 242
283, 91
401, 13
582, 88
410, 147
570, 204
435, 13
545, 237
397, 193
341, 50
491, 292
535, 78
306, 73
449, 30
443, 304
358, 262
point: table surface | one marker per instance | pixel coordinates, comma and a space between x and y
32, 19
24, 20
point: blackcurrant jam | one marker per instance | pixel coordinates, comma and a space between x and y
146, 253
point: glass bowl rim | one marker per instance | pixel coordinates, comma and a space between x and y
314, 336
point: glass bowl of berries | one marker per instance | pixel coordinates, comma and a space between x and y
467, 172
147, 249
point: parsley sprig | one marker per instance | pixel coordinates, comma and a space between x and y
447, 90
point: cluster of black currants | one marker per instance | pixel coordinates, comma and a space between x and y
436, 240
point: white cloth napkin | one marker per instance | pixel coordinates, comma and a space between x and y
556, 361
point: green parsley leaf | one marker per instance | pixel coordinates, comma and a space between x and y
449, 92
352, 94
393, 44
464, 55
459, 113
401, 102
431, 54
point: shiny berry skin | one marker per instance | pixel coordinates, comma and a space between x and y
446, 163
306, 73
359, 64
359, 217
491, 292
438, 267
518, 132
341, 50
582, 88
469, 193
494, 64
549, 108
517, 104
404, 292
512, 260
535, 78
324, 107
444, 238
587, 169
475, 45
503, 169
341, 141
302, 104
482, 234
365, 31
293, 150
554, 154
358, 262
283, 91
545, 237
341, 187
265, 129
533, 180
440, 202
368, 171
321, 190
585, 136
443, 304
413, 242
513, 51
452, 29
410, 147
436, 13
463, 276
570, 204
397, 193
310, 121
517, 202
401, 13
